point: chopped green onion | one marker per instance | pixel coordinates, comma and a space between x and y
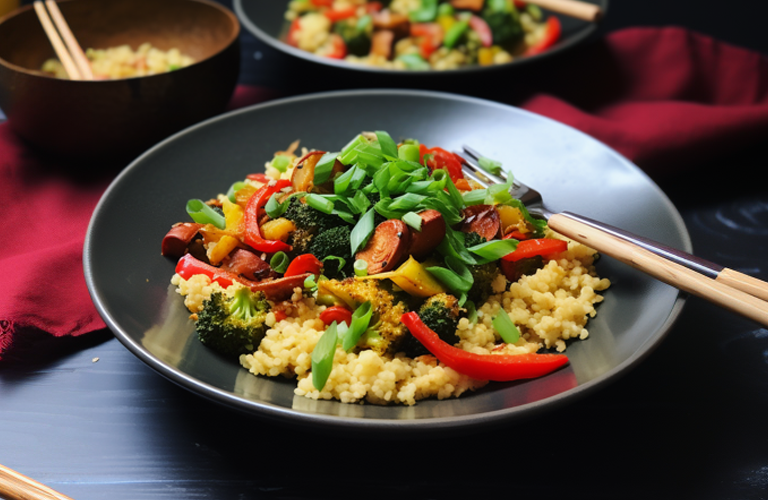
475, 197
455, 32
456, 277
361, 267
324, 167
426, 13
414, 62
534, 11
322, 356
408, 152
319, 202
406, 202
364, 22
489, 165
413, 219
233, 189
445, 9
203, 214
362, 231
506, 328
494, 249
361, 318
342, 261
386, 143
471, 312
279, 262
281, 162
310, 283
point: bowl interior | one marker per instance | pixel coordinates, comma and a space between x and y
266, 20
197, 28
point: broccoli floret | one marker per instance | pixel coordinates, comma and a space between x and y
334, 243
233, 325
441, 314
305, 217
356, 35
309, 223
505, 25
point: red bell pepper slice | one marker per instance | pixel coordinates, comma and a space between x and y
322, 3
372, 7
482, 29
189, 266
306, 263
258, 178
539, 246
516, 235
520, 4
551, 35
339, 15
338, 49
337, 314
431, 35
441, 158
292, 39
496, 367
254, 209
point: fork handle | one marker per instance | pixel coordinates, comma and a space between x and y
720, 290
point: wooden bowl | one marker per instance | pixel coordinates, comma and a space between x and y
109, 119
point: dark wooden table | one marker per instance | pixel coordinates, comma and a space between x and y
92, 421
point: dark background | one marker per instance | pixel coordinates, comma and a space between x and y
689, 423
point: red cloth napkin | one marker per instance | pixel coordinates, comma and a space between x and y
662, 97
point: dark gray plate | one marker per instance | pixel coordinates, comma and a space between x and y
129, 280
266, 21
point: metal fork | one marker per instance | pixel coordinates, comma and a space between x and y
726, 287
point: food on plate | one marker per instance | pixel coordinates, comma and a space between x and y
123, 62
421, 34
379, 273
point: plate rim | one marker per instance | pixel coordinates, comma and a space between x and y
283, 47
423, 426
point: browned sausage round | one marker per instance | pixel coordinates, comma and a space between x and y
178, 238
248, 264
483, 220
432, 233
387, 248
281, 288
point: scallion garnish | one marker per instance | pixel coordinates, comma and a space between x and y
281, 162
204, 214
361, 318
506, 328
413, 219
322, 356
489, 165
387, 144
494, 249
361, 267
408, 152
324, 167
233, 189
279, 262
319, 202
362, 231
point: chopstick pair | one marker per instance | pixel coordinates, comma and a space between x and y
16, 486
63, 40
572, 8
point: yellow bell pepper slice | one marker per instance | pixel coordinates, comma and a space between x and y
222, 248
413, 278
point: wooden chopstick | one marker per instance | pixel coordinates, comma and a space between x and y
68, 50
15, 486
572, 8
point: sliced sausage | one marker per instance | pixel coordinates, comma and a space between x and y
387, 248
382, 43
177, 240
483, 220
432, 233
281, 288
475, 5
247, 264
398, 23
